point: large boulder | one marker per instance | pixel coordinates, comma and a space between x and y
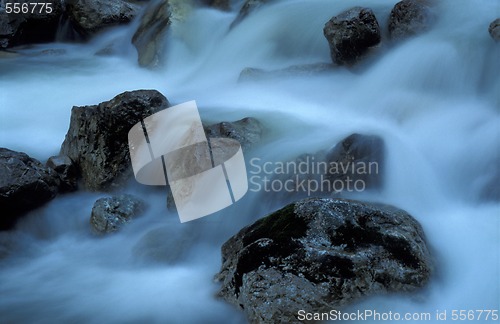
149, 39
494, 29
91, 16
409, 17
351, 34
319, 254
109, 214
28, 28
97, 139
25, 184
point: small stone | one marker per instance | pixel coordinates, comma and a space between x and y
112, 213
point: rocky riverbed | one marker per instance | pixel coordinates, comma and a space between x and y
370, 137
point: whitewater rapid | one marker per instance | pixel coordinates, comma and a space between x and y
434, 99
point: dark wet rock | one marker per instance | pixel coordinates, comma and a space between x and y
112, 213
25, 184
149, 39
320, 254
97, 139
247, 131
9, 27
351, 34
67, 171
250, 74
409, 18
494, 29
91, 16
29, 28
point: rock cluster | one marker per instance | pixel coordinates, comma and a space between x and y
95, 153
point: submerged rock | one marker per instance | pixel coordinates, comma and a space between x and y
247, 131
494, 29
67, 171
164, 245
291, 71
25, 184
92, 16
111, 213
360, 157
353, 165
29, 28
319, 254
410, 17
149, 39
248, 7
351, 34
97, 139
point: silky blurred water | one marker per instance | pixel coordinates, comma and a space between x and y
434, 99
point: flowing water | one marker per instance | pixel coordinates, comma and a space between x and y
434, 99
